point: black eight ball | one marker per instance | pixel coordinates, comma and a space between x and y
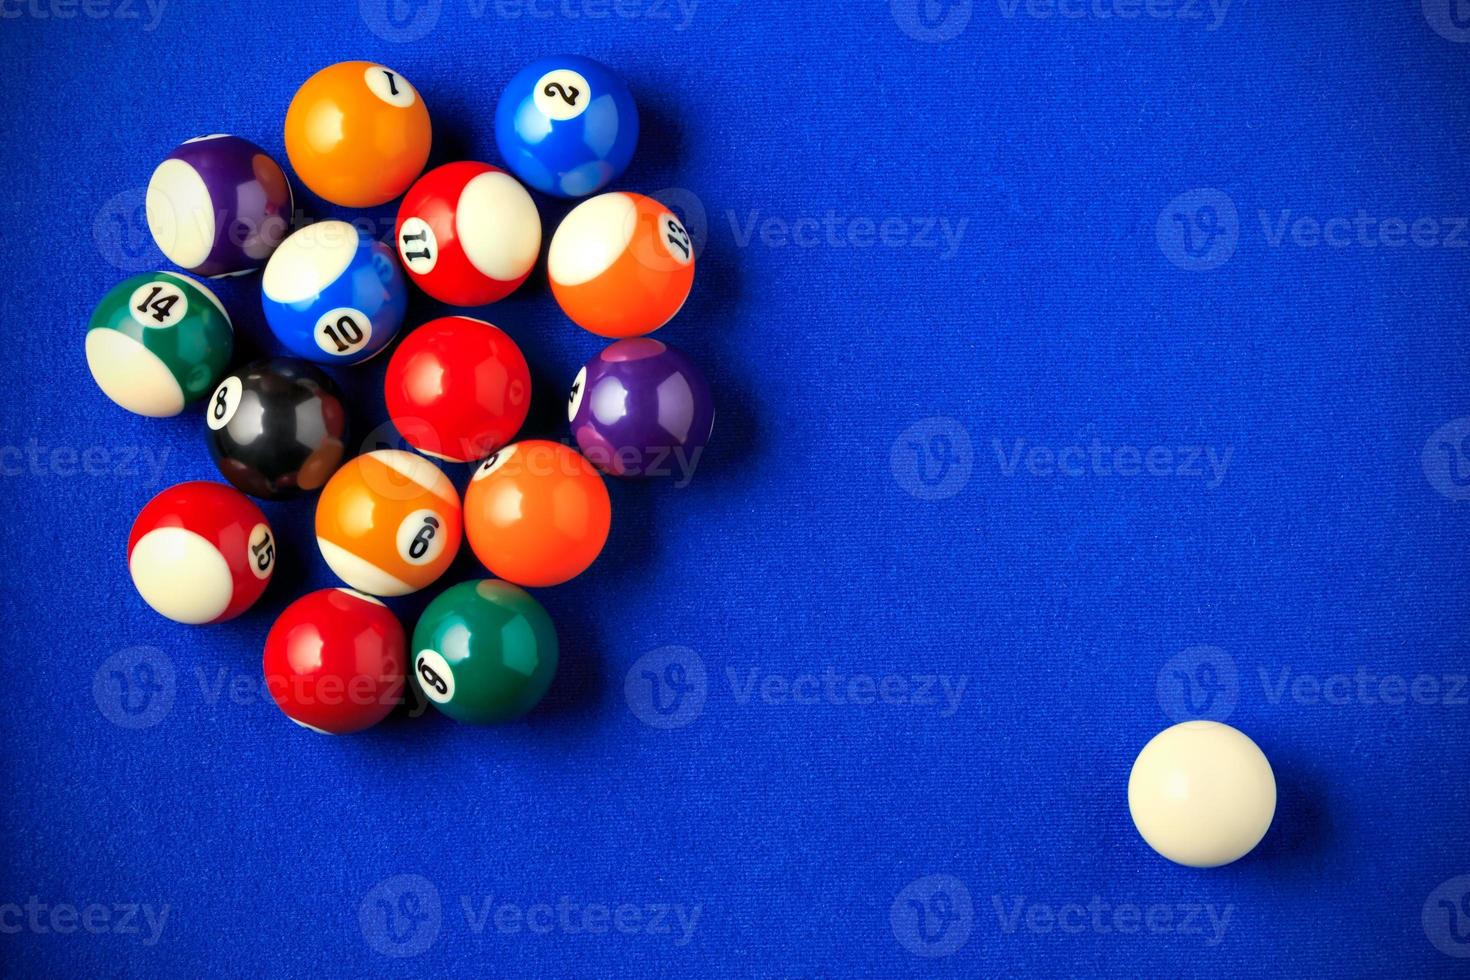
277, 428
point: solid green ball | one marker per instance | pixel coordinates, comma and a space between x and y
484, 652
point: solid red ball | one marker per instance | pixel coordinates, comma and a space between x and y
468, 234
458, 389
335, 660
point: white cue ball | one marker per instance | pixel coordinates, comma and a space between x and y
1202, 794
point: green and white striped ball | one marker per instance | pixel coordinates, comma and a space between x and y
157, 342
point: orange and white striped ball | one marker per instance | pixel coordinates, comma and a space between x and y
388, 523
621, 265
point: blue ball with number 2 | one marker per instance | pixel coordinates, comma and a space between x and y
333, 295
567, 126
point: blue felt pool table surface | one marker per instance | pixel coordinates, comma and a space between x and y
1081, 366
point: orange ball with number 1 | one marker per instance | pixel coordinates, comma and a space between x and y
357, 134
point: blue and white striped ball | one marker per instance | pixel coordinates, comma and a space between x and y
332, 294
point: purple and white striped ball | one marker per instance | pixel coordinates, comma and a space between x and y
219, 206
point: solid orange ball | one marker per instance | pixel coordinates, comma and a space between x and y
357, 133
537, 513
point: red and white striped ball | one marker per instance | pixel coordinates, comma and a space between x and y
201, 553
468, 233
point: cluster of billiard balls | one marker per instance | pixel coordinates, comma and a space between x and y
388, 523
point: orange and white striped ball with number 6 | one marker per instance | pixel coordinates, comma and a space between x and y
388, 523
621, 265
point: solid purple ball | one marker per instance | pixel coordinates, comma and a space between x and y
218, 206
641, 408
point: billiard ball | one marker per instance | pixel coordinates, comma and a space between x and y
277, 428
201, 553
357, 134
157, 342
334, 661
484, 652
567, 126
641, 408
468, 233
537, 513
388, 522
457, 389
1202, 794
218, 206
620, 265
333, 295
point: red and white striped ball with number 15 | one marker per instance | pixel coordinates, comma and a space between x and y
468, 233
201, 552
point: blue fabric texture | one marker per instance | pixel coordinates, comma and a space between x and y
1082, 366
